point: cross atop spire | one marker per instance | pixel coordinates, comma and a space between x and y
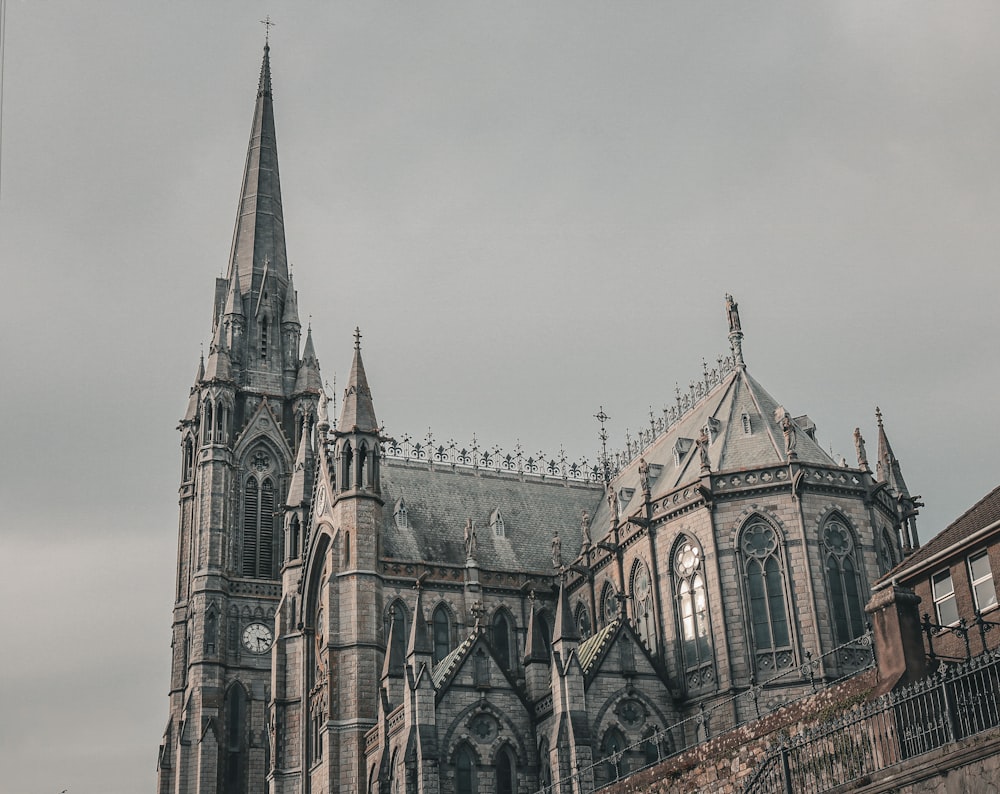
268, 24
357, 338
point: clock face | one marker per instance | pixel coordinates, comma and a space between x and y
257, 638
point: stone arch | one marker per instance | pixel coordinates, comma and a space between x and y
767, 595
843, 571
503, 637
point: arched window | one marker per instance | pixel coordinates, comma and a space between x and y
583, 620
612, 753
767, 607
692, 613
843, 580
346, 459
400, 634
886, 552
609, 603
293, 537
206, 426
465, 771
501, 639
362, 463
543, 632
187, 466
263, 339
544, 766
235, 741
442, 632
506, 782
642, 605
258, 528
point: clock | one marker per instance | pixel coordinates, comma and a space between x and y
257, 638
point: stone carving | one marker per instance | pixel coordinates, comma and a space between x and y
733, 313
470, 538
585, 531
702, 444
788, 428
323, 413
556, 550
613, 504
644, 476
859, 445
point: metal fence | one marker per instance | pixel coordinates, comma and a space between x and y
674, 739
958, 701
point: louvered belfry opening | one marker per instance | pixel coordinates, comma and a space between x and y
258, 529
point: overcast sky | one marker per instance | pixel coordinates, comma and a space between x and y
531, 209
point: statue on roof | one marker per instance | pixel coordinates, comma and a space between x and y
470, 538
788, 428
702, 444
585, 531
556, 550
859, 445
733, 313
613, 504
644, 476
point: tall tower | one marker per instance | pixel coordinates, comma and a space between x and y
246, 444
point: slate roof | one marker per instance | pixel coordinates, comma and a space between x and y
589, 651
439, 501
983, 513
447, 665
731, 448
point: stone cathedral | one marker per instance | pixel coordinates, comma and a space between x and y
362, 612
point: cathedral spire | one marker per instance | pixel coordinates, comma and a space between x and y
260, 229
308, 378
358, 412
888, 465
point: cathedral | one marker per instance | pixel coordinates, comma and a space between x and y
358, 612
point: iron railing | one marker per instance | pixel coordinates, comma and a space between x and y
856, 656
959, 700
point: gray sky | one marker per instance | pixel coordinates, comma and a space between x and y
531, 210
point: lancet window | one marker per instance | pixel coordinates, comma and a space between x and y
506, 775
259, 554
692, 613
642, 605
844, 581
442, 633
465, 771
234, 773
501, 639
609, 603
766, 597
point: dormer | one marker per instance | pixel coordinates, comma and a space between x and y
681, 448
497, 524
400, 515
712, 429
806, 425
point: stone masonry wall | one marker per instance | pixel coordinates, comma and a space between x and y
724, 764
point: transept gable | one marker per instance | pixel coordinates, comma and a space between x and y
264, 423
473, 664
615, 651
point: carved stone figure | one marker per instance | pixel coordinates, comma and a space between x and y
556, 550
733, 313
613, 504
644, 476
788, 429
702, 444
324, 417
859, 445
585, 531
470, 538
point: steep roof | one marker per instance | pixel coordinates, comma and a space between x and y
981, 515
260, 227
439, 501
590, 649
736, 396
358, 410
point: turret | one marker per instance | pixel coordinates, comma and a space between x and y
888, 471
291, 330
357, 432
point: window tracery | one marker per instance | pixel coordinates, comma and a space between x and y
642, 605
767, 607
844, 581
692, 613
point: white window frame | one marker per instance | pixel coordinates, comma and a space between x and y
945, 597
974, 583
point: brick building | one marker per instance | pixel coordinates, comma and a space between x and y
953, 574
357, 611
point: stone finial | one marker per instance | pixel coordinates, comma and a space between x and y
859, 445
735, 331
